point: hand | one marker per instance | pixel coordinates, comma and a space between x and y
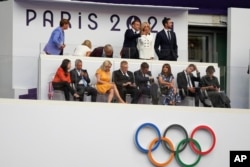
62, 46
196, 69
192, 90
82, 73
210, 87
126, 83
85, 74
171, 85
203, 88
132, 85
151, 78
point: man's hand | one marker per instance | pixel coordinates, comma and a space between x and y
126, 83
62, 46
192, 90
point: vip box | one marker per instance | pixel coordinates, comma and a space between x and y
239, 158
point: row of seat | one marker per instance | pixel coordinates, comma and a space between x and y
144, 99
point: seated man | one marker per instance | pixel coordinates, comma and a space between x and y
145, 82
185, 81
211, 84
124, 81
80, 78
106, 51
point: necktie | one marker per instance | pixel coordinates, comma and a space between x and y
169, 36
189, 81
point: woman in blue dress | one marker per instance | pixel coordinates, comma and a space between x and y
166, 83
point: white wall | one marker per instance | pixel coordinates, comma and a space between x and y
48, 65
6, 49
50, 133
27, 39
238, 57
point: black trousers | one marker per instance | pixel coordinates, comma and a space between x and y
130, 53
65, 87
196, 96
129, 90
151, 91
90, 90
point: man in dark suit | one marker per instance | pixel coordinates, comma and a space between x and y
106, 51
80, 78
166, 41
186, 82
145, 82
129, 49
124, 81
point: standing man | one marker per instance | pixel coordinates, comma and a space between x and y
166, 40
124, 81
56, 44
106, 51
185, 81
80, 78
129, 49
145, 81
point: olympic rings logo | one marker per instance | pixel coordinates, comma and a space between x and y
168, 144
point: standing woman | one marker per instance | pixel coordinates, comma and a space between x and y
166, 82
145, 43
104, 84
62, 80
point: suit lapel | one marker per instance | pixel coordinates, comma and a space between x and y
165, 36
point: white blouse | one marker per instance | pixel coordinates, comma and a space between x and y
145, 46
81, 50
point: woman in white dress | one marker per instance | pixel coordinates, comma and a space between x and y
145, 44
84, 49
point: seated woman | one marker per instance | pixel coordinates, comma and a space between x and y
84, 49
104, 84
166, 82
210, 83
62, 80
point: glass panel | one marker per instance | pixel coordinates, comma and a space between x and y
198, 48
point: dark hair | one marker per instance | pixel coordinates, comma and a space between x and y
63, 21
210, 69
136, 20
169, 69
144, 65
192, 65
64, 66
165, 20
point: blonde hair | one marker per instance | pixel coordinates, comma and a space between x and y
145, 24
105, 63
87, 43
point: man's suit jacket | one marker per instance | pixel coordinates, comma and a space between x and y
55, 42
75, 78
140, 80
168, 48
119, 78
97, 52
182, 80
129, 49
